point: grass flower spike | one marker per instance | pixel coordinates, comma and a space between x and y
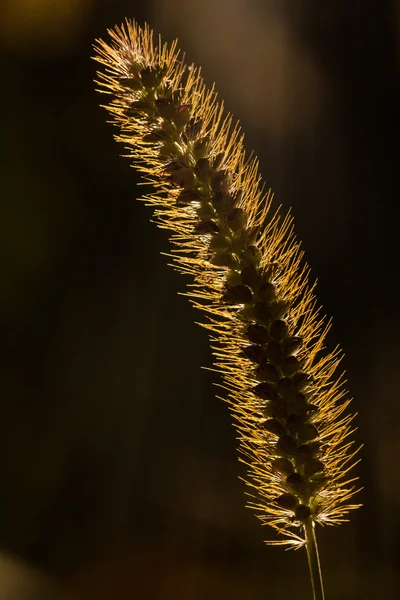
250, 280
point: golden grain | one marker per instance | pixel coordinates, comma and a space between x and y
250, 280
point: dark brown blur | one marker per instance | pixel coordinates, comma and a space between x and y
119, 472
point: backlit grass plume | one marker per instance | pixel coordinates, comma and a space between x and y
266, 330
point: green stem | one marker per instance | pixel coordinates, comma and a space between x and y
313, 561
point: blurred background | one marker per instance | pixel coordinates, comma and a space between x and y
118, 468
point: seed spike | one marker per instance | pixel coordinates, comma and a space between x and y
282, 387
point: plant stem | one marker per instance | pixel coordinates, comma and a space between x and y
313, 561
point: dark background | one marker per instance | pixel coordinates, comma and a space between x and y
118, 466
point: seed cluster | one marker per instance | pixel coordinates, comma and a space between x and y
266, 332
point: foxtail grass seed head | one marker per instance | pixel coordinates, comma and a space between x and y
267, 332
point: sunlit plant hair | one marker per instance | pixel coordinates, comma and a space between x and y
267, 332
